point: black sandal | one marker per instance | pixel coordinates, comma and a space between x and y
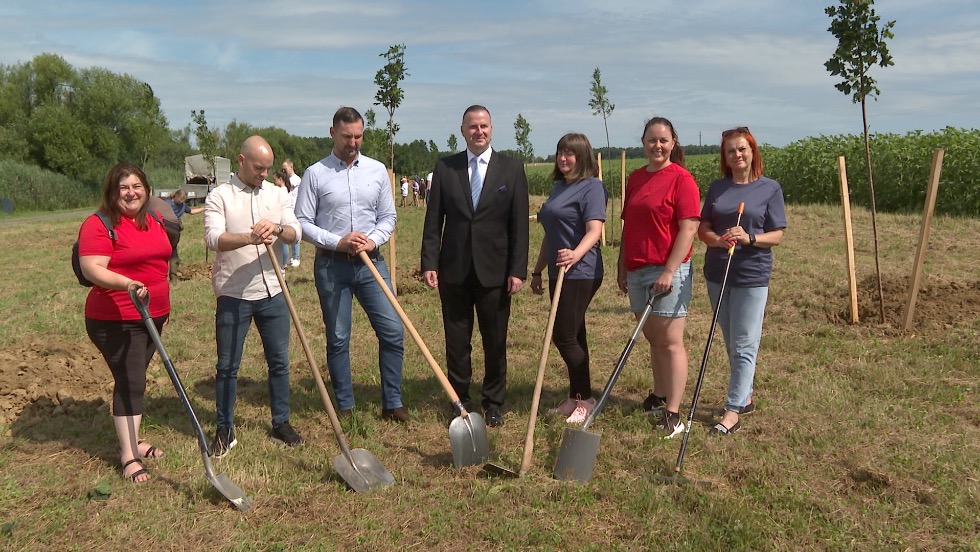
721, 431
132, 477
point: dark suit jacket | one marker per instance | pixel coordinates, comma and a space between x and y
494, 238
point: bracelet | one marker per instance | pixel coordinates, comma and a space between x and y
535, 274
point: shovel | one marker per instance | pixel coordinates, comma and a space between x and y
358, 467
579, 448
220, 481
676, 478
468, 431
538, 384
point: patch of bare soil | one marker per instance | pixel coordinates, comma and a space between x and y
940, 304
194, 271
50, 377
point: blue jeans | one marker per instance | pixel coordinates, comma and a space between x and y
338, 281
740, 318
231, 322
290, 251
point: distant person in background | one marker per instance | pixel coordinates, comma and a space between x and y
241, 217
660, 219
292, 186
294, 179
281, 180
747, 288
423, 192
177, 202
135, 260
572, 218
404, 188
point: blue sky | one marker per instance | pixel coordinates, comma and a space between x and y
707, 65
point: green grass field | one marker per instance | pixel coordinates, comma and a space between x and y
866, 436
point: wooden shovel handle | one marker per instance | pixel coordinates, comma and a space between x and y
539, 383
443, 380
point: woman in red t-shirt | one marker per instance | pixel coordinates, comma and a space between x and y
661, 212
138, 258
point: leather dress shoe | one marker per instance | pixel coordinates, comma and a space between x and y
493, 417
399, 414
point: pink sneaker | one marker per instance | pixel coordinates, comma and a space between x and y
581, 412
565, 407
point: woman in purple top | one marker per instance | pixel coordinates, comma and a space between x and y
572, 218
747, 288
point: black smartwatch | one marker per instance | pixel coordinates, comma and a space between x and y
752, 240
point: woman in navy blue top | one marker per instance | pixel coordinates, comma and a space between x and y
747, 288
572, 218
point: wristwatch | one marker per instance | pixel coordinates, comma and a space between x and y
279, 232
752, 240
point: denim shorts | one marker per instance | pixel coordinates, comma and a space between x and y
672, 305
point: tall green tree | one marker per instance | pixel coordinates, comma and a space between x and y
207, 139
600, 103
861, 45
452, 144
390, 93
522, 134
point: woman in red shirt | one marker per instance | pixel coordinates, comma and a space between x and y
661, 212
136, 258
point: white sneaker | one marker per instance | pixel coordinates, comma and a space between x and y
670, 425
294, 262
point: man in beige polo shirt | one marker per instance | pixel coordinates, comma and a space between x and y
240, 218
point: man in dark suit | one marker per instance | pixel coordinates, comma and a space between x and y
474, 250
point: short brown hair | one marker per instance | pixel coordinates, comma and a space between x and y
585, 163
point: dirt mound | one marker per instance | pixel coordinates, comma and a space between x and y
940, 305
194, 270
51, 377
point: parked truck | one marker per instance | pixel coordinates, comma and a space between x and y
199, 178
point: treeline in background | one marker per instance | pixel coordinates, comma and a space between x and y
61, 128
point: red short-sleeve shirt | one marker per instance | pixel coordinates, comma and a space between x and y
655, 204
142, 255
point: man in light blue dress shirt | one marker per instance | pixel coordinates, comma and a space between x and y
345, 206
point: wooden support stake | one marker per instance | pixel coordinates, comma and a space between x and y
622, 195
622, 189
920, 253
845, 197
392, 249
600, 178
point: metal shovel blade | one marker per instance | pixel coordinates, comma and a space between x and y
362, 471
229, 490
577, 455
469, 441
220, 481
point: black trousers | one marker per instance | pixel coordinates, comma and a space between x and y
569, 334
127, 348
492, 308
